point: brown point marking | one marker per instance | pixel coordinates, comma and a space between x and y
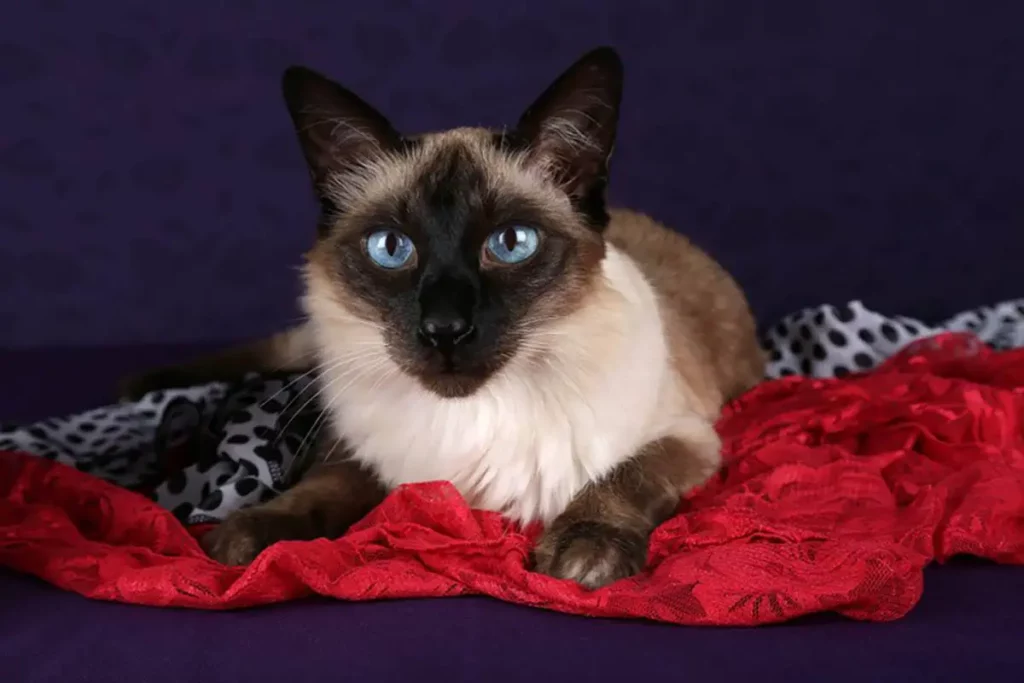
325, 502
602, 536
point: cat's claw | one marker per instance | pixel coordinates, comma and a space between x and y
593, 554
240, 538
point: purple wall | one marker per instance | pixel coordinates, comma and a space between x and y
151, 189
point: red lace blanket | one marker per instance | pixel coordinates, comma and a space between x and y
837, 494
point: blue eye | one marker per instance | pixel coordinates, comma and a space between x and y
513, 245
389, 249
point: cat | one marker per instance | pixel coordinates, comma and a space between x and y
478, 314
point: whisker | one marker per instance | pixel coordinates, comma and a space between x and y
320, 391
304, 389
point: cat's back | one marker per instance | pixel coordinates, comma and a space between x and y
707, 318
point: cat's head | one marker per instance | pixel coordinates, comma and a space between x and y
459, 247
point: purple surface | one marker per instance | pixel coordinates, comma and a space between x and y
968, 626
39, 383
151, 190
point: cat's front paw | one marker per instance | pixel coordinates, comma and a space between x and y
590, 553
240, 538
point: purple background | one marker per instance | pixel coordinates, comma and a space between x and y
966, 628
151, 190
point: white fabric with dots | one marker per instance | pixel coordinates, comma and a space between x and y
833, 341
242, 440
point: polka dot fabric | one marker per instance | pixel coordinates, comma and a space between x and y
200, 452
203, 452
833, 341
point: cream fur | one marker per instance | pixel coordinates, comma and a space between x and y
582, 395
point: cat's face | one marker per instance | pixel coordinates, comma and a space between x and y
460, 247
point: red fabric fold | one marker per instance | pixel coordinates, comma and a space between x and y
836, 495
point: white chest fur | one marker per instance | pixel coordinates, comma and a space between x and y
598, 388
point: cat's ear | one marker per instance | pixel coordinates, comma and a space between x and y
337, 130
570, 128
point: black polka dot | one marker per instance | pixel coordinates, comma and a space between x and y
110, 429
805, 332
176, 482
182, 511
239, 417
99, 443
207, 490
781, 329
156, 397
1009, 320
268, 452
819, 318
805, 366
866, 336
274, 407
38, 433
837, 337
911, 328
246, 486
237, 439
222, 479
147, 414
249, 467
261, 432
87, 427
786, 372
796, 347
863, 360
246, 400
840, 371
844, 314
122, 438
818, 351
776, 356
212, 501
890, 332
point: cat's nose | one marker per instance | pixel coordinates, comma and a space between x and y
445, 328
447, 302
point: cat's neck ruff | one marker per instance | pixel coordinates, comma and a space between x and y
582, 395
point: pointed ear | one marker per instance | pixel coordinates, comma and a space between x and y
570, 128
336, 128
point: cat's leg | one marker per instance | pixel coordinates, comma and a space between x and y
325, 502
288, 351
603, 535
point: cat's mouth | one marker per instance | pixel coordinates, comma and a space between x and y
452, 384
450, 376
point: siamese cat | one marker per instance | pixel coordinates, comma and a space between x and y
476, 313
